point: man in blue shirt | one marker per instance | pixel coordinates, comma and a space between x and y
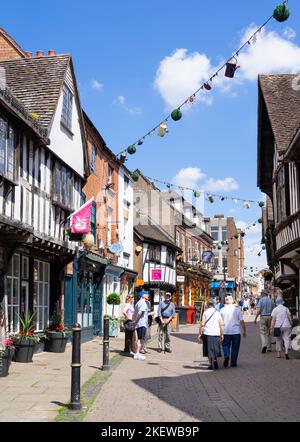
140, 319
264, 309
166, 312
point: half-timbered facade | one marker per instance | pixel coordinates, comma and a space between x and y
278, 177
43, 164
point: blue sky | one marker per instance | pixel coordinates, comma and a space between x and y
121, 50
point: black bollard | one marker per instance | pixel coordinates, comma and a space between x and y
76, 366
106, 365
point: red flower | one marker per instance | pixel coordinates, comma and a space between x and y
61, 327
22, 333
57, 328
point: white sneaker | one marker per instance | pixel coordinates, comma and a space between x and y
139, 357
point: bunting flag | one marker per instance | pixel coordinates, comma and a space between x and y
81, 219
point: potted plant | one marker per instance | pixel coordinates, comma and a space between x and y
114, 326
56, 335
39, 345
5, 356
25, 339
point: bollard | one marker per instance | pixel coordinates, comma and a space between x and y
106, 365
76, 365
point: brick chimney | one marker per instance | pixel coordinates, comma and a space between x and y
40, 54
29, 54
51, 52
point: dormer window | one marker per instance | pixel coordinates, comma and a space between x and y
66, 117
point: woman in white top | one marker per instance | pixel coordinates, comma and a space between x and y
282, 318
211, 332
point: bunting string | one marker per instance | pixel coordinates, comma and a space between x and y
281, 13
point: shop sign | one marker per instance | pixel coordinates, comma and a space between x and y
180, 278
156, 275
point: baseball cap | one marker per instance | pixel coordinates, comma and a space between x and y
143, 293
168, 294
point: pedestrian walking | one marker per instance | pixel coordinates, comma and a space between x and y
252, 305
140, 319
233, 321
264, 310
218, 305
281, 327
211, 333
151, 313
165, 314
129, 325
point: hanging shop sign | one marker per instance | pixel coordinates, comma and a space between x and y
156, 274
180, 278
116, 248
208, 257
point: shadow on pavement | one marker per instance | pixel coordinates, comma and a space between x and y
191, 337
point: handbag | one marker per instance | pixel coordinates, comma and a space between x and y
277, 331
202, 334
129, 325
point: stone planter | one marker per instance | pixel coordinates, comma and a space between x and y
56, 342
23, 350
11, 353
114, 329
4, 363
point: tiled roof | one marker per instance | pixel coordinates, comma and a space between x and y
37, 82
155, 234
283, 106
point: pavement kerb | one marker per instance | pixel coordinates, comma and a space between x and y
92, 387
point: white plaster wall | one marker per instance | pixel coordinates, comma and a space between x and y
125, 234
67, 147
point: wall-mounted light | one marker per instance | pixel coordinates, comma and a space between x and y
138, 249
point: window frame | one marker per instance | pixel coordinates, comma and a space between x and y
170, 257
9, 169
67, 107
154, 254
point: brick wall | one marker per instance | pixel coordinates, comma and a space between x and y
8, 48
96, 187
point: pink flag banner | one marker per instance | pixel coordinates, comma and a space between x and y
81, 219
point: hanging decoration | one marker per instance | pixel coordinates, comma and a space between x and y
176, 115
162, 130
246, 205
211, 199
231, 67
131, 149
197, 194
281, 13
135, 175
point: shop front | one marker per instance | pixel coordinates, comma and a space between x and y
84, 286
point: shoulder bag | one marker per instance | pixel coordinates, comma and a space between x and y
277, 330
157, 319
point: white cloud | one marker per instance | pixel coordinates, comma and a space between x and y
121, 101
189, 177
225, 185
271, 53
97, 85
182, 73
289, 33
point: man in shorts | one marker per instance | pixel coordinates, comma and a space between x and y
140, 318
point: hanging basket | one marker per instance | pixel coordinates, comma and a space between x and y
231, 67
131, 149
197, 194
211, 199
135, 176
281, 13
176, 114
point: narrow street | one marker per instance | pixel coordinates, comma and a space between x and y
176, 387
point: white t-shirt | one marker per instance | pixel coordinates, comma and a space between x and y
282, 316
231, 316
212, 328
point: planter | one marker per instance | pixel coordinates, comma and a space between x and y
11, 353
39, 347
114, 329
4, 363
56, 342
23, 350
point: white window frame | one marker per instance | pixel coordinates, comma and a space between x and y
13, 326
42, 322
67, 108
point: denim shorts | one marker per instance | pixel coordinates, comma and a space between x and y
141, 332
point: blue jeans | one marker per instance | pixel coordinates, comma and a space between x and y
231, 344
